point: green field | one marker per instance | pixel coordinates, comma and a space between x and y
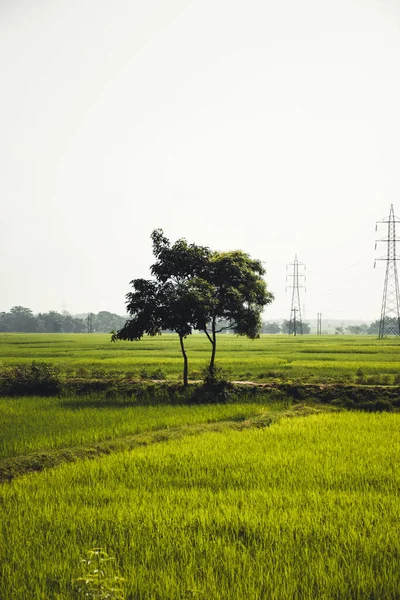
306, 508
302, 358
262, 497
36, 425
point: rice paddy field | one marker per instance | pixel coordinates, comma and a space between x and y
257, 499
272, 357
36, 425
305, 508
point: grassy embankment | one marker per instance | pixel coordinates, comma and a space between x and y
305, 508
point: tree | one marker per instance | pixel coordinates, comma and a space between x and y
106, 321
169, 301
271, 328
231, 289
357, 329
287, 327
373, 329
79, 325
70, 324
22, 320
51, 322
195, 288
4, 322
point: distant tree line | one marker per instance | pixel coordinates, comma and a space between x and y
363, 329
284, 327
22, 320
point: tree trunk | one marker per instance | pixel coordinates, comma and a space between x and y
213, 340
185, 362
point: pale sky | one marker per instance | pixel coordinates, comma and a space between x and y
271, 126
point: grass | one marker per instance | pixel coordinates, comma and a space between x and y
305, 508
240, 500
34, 424
280, 358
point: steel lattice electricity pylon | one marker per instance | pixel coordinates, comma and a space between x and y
390, 312
295, 321
319, 323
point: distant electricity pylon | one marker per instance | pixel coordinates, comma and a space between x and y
319, 323
295, 321
89, 322
390, 312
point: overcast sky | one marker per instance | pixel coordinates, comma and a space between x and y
272, 126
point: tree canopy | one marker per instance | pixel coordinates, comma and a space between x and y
195, 288
231, 289
170, 301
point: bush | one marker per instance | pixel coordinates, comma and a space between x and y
157, 374
270, 375
98, 374
360, 375
36, 379
377, 406
82, 372
216, 387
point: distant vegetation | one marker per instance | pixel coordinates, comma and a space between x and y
283, 327
22, 320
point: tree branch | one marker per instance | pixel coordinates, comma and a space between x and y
226, 327
208, 335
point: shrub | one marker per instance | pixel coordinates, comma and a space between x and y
36, 379
81, 372
379, 405
360, 375
195, 375
216, 387
98, 374
157, 374
270, 375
